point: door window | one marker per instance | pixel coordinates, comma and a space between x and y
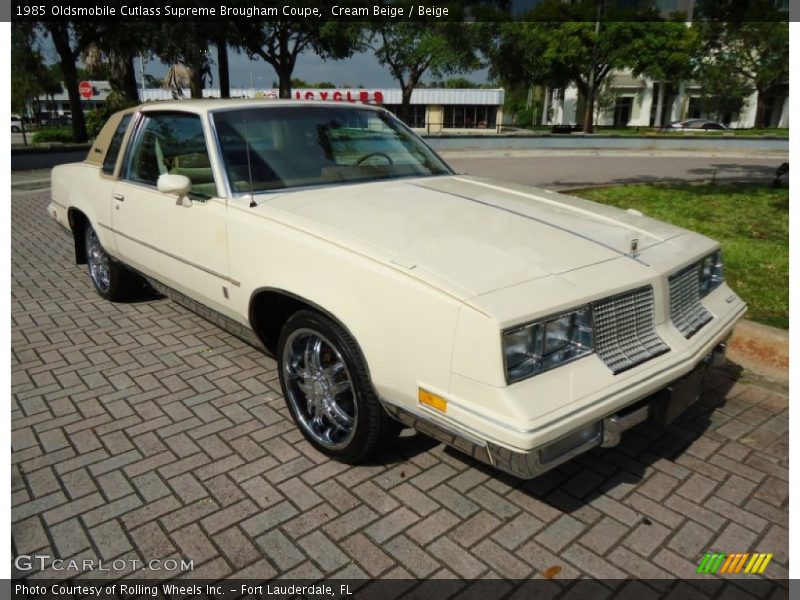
173, 143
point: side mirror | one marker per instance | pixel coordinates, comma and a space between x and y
174, 184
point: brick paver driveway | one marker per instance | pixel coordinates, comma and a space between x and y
141, 431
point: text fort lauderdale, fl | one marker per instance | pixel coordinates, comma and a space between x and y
141, 589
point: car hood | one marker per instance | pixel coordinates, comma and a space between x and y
466, 235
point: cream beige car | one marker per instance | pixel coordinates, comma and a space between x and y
518, 325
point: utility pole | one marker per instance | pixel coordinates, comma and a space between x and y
141, 76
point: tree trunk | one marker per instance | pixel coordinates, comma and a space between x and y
222, 69
659, 104
196, 80
405, 106
761, 108
60, 35
129, 87
284, 81
22, 125
546, 105
588, 111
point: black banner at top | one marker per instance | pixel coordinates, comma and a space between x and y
282, 10
371, 11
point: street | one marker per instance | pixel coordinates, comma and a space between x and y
563, 169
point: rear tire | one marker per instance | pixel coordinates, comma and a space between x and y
112, 280
328, 391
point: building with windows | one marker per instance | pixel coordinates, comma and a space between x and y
627, 101
47, 108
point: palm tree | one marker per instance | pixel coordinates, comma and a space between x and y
178, 77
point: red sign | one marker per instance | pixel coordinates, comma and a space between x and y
364, 96
85, 88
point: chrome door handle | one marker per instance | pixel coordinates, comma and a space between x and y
120, 197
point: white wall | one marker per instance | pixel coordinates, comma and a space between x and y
642, 103
747, 116
570, 107
784, 120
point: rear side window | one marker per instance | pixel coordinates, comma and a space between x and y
116, 144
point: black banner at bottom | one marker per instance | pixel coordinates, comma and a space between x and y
411, 589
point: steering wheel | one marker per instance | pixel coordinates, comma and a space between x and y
370, 155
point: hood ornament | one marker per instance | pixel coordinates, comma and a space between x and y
634, 247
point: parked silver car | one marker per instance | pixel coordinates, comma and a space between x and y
691, 124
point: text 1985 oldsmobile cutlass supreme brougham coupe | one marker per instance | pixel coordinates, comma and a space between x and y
518, 325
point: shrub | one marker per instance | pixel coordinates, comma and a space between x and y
53, 134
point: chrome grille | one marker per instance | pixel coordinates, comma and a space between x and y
624, 329
686, 312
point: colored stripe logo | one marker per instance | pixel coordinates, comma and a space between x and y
722, 563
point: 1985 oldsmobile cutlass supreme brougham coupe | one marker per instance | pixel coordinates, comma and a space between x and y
518, 325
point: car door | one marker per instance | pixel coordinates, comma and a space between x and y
179, 241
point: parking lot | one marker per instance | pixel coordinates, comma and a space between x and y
142, 432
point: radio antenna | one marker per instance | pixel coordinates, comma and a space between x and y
249, 164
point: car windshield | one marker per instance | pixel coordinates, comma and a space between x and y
287, 147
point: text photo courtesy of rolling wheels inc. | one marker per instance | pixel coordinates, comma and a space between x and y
389, 305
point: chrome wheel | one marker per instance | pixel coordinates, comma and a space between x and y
319, 388
99, 264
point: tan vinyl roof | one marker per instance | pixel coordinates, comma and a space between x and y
97, 153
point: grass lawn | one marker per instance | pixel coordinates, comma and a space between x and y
751, 222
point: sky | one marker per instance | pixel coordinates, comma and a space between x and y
361, 69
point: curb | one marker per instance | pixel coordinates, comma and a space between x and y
761, 349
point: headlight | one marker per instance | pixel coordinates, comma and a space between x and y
538, 347
710, 273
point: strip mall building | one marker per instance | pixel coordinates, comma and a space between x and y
433, 110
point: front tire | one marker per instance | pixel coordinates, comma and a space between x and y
328, 391
111, 279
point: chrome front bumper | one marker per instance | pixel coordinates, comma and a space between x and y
606, 433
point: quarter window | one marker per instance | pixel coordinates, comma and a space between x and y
173, 143
114, 147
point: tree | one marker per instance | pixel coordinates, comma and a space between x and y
722, 92
30, 78
410, 50
69, 45
152, 81
279, 43
546, 49
111, 49
752, 55
178, 77
605, 98
665, 55
186, 43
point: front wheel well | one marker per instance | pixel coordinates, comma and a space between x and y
77, 223
269, 311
